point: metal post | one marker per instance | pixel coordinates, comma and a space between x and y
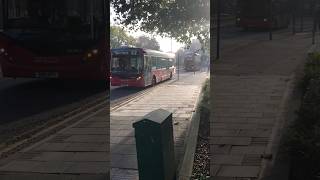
1, 16
212, 23
301, 15
171, 44
218, 27
270, 20
293, 17
314, 23
178, 65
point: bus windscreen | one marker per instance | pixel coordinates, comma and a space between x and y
69, 22
126, 64
254, 8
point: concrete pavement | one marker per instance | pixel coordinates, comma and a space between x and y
178, 97
80, 151
250, 87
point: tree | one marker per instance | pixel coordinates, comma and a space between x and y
119, 37
149, 43
179, 19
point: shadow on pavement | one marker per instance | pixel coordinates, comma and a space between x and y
24, 98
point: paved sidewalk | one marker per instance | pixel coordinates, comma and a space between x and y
80, 151
179, 97
249, 90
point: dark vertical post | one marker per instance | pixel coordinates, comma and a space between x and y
314, 22
293, 17
218, 27
270, 20
106, 35
1, 16
212, 34
301, 4
178, 65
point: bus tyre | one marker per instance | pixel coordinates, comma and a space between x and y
154, 81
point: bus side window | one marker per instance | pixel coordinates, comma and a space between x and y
167, 63
164, 63
154, 62
158, 63
161, 63
147, 63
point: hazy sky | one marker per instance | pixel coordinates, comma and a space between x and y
165, 43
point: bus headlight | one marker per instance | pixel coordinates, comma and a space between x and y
2, 50
265, 19
138, 78
91, 54
95, 51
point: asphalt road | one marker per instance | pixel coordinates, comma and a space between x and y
118, 93
22, 98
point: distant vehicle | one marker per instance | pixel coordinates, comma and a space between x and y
54, 39
192, 61
138, 67
256, 14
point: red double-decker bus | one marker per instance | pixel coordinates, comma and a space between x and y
53, 39
256, 14
139, 67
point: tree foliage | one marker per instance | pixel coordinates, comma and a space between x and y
180, 19
146, 42
119, 37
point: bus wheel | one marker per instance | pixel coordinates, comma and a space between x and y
154, 81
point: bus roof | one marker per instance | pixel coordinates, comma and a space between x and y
148, 52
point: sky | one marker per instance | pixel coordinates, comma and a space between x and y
165, 43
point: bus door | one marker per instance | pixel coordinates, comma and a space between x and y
147, 71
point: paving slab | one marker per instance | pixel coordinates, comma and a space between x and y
80, 151
248, 91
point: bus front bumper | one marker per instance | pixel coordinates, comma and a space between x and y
12, 70
115, 81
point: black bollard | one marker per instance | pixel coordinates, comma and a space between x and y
155, 146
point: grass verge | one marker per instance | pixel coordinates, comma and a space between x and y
303, 137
